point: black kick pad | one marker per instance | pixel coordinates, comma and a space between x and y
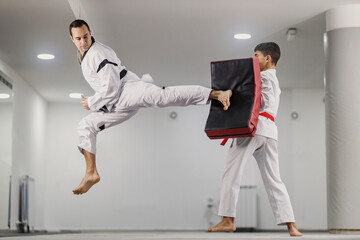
243, 77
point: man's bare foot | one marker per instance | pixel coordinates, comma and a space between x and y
223, 97
227, 224
88, 181
293, 231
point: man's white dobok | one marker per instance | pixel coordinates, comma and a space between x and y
120, 93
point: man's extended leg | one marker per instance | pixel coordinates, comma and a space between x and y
142, 94
91, 175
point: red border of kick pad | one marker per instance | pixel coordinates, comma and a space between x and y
251, 130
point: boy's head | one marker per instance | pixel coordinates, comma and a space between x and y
268, 54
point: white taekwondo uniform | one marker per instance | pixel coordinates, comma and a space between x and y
263, 147
120, 93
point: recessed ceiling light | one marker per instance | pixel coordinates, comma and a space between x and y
4, 95
75, 95
242, 36
46, 56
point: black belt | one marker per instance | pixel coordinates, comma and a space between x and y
123, 73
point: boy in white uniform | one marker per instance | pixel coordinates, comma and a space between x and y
119, 94
263, 147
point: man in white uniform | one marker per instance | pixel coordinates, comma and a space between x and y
263, 147
119, 94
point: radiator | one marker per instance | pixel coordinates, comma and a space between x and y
246, 212
25, 222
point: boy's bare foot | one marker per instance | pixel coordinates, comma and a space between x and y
88, 181
293, 231
222, 96
227, 224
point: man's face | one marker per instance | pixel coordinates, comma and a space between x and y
262, 60
81, 37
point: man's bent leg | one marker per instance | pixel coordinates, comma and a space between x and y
88, 128
91, 175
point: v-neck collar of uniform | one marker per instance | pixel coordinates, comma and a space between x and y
80, 60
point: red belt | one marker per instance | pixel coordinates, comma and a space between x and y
264, 114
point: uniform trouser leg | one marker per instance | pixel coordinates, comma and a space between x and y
141, 94
135, 95
241, 150
93, 123
268, 162
265, 152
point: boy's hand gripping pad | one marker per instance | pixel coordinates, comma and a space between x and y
243, 77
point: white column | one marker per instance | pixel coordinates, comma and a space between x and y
342, 94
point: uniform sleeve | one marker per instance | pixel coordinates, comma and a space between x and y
267, 91
108, 74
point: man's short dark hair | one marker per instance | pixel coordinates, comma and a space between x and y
78, 23
269, 48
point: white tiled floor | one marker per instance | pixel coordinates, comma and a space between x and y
180, 236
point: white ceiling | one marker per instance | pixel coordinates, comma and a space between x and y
173, 40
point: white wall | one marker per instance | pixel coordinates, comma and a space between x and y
28, 146
309, 167
29, 117
5, 159
5, 130
158, 173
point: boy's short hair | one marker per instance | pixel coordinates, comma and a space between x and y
78, 23
269, 48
